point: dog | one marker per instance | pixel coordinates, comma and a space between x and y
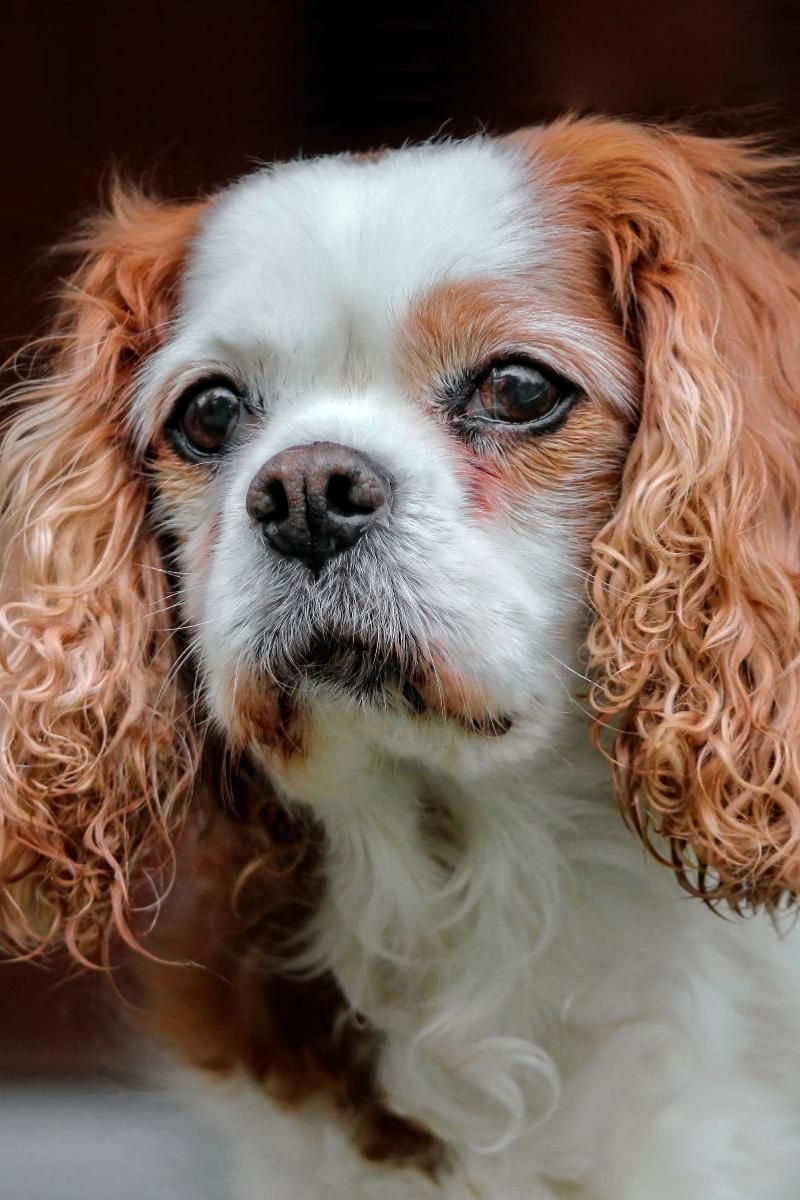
400, 601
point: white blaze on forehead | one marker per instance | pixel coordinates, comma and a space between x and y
367, 234
309, 255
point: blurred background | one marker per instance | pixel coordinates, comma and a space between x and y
187, 94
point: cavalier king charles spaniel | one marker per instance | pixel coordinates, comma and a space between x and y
400, 601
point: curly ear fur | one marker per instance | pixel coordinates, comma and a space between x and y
696, 643
96, 746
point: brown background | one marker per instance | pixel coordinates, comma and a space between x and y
189, 94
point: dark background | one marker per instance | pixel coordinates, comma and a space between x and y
189, 94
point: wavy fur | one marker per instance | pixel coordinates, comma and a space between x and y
696, 643
97, 749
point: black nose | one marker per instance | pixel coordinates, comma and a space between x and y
315, 501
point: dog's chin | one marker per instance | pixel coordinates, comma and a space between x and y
372, 677
352, 670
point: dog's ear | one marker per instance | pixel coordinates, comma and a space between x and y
96, 746
696, 642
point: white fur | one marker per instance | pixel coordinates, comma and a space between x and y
567, 1021
553, 1008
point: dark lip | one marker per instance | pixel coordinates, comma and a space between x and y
353, 666
364, 672
491, 726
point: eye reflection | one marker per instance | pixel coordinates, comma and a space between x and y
519, 393
205, 422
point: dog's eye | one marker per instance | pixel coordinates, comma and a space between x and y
519, 393
205, 420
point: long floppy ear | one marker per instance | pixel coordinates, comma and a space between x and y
96, 746
696, 643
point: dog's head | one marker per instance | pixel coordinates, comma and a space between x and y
363, 447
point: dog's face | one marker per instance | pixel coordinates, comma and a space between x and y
419, 439
385, 427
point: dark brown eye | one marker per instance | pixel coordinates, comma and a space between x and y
519, 394
206, 423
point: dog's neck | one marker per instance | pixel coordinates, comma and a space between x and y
444, 898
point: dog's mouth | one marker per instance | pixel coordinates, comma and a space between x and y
352, 668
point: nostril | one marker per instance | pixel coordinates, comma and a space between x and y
278, 500
349, 496
270, 503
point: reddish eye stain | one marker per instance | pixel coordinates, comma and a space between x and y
484, 482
